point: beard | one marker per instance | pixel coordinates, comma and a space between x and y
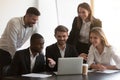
61, 42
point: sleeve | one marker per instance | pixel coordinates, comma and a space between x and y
12, 36
74, 52
90, 56
47, 56
98, 23
116, 58
72, 32
36, 28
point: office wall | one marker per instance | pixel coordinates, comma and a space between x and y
14, 8
109, 16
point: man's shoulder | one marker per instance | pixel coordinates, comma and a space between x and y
23, 51
15, 19
52, 45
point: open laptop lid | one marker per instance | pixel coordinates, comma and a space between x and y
71, 65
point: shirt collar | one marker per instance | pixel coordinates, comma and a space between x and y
61, 49
84, 22
22, 21
104, 51
32, 54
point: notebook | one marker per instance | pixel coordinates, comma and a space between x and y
71, 65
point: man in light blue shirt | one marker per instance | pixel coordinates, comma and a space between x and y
17, 32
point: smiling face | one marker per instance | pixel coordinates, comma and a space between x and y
30, 20
83, 13
61, 37
95, 39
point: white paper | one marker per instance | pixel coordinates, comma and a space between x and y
37, 75
105, 71
108, 71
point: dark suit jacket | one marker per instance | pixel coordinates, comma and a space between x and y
76, 27
53, 52
21, 63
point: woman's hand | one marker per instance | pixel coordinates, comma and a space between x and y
84, 55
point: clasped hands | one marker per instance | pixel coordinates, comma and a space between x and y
100, 67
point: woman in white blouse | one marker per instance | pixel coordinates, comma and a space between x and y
101, 55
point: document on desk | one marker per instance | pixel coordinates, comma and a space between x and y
108, 71
37, 75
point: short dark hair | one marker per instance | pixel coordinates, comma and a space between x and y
33, 10
35, 36
61, 28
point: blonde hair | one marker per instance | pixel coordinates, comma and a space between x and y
99, 32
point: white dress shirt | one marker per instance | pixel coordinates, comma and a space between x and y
84, 32
32, 59
62, 52
108, 57
15, 35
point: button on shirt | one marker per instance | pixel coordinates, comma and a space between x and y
32, 59
15, 35
108, 57
84, 32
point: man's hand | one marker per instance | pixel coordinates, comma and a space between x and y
52, 63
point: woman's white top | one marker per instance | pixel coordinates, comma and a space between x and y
108, 57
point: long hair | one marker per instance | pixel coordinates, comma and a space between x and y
87, 7
99, 32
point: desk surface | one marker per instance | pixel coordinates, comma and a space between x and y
90, 76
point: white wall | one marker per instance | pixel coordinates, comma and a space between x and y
109, 15
48, 20
13, 8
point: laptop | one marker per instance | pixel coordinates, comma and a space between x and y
71, 65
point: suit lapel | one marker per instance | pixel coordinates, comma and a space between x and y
66, 51
57, 50
27, 60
